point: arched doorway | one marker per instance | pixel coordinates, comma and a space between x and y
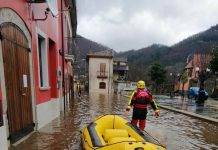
15, 52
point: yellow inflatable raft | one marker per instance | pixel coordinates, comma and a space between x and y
112, 132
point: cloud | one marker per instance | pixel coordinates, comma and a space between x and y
127, 24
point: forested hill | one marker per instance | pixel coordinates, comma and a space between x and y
85, 45
173, 57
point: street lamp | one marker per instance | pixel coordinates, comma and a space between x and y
173, 84
174, 75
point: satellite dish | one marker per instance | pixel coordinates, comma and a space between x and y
53, 6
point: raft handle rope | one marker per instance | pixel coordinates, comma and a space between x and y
158, 142
94, 148
122, 142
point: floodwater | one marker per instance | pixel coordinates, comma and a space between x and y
209, 108
177, 131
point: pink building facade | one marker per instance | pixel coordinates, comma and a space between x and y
195, 64
34, 41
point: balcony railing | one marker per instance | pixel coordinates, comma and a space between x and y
120, 68
101, 74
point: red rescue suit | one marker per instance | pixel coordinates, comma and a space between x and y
140, 100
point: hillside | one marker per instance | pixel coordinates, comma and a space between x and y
85, 45
172, 57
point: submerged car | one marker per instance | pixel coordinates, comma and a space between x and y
193, 93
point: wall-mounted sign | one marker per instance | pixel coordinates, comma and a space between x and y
25, 81
53, 5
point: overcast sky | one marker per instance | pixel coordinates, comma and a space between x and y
133, 24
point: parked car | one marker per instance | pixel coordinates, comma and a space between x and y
193, 93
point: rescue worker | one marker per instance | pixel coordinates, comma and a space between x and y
139, 100
78, 88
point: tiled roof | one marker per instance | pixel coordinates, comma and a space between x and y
120, 59
189, 65
100, 54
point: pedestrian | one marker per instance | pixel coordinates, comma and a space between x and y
139, 100
202, 96
78, 88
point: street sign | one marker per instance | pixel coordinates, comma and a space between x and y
52, 4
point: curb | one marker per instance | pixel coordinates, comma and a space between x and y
191, 114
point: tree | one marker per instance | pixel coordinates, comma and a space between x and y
157, 74
214, 61
214, 69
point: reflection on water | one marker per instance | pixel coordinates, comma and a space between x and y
178, 131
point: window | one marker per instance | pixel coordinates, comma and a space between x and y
43, 62
52, 68
102, 85
102, 67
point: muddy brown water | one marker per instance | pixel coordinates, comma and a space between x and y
177, 131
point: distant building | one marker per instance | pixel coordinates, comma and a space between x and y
120, 70
100, 71
195, 64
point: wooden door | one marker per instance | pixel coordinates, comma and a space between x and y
17, 80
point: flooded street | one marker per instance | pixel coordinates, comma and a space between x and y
177, 131
209, 108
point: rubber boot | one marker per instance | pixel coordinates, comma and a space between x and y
142, 124
134, 122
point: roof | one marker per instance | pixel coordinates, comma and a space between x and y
120, 59
100, 54
121, 68
189, 65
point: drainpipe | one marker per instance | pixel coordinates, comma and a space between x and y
63, 54
109, 80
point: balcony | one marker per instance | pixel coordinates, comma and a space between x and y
121, 68
122, 78
102, 75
